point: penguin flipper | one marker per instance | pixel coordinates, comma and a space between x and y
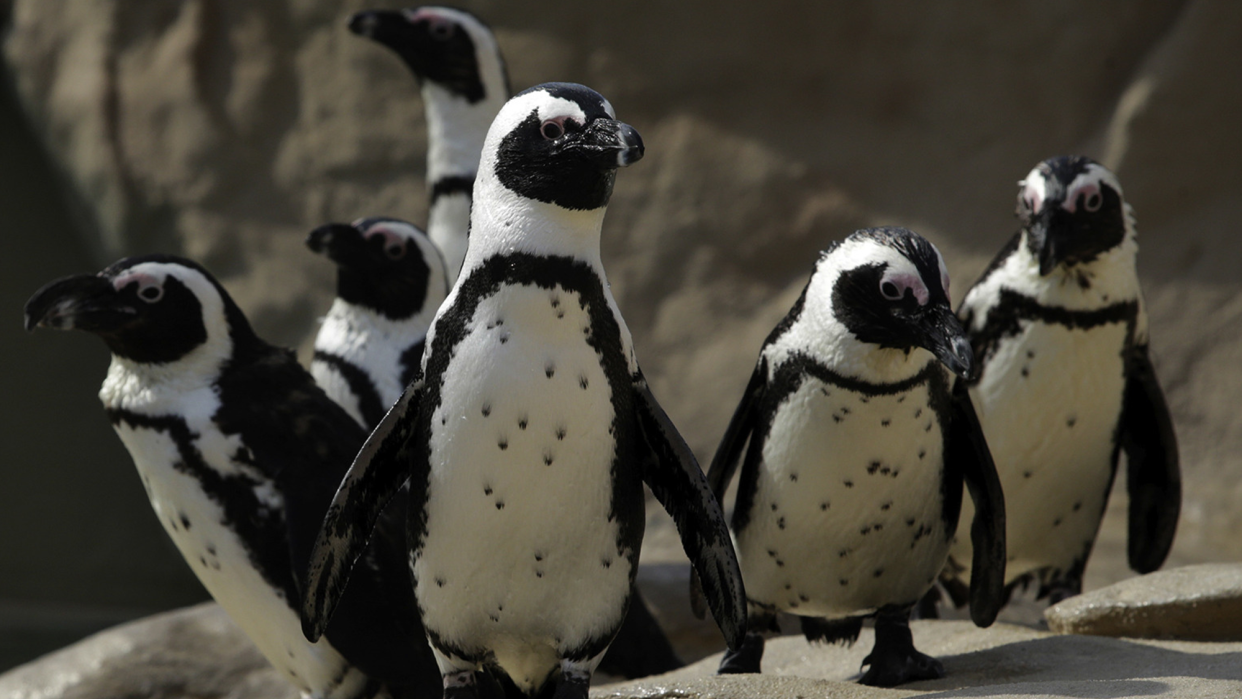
678, 483
728, 455
968, 448
378, 472
1153, 475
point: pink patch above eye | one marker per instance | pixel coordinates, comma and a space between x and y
911, 282
1080, 193
391, 240
142, 279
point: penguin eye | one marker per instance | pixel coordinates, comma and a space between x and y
440, 30
395, 251
890, 291
1093, 202
151, 294
552, 130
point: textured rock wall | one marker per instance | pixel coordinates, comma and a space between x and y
225, 130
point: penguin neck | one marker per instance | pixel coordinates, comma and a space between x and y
168, 387
350, 328
456, 129
503, 222
1110, 278
819, 334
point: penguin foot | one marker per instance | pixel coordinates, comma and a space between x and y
745, 659
573, 688
892, 670
894, 660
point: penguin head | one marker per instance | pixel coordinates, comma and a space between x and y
384, 264
442, 45
890, 289
1072, 210
560, 144
152, 309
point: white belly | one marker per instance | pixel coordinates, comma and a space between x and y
520, 555
847, 515
1050, 432
222, 564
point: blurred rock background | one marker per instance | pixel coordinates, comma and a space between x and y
225, 130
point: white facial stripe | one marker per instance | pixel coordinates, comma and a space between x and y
1034, 190
143, 280
1087, 185
944, 271
558, 109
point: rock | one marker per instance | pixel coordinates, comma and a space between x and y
1199, 603
1000, 661
198, 652
192, 652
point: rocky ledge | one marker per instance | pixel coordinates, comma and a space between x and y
198, 652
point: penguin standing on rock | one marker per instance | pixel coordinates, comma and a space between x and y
390, 279
858, 448
240, 453
1065, 383
462, 77
529, 434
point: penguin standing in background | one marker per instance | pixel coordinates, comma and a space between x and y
457, 62
462, 77
529, 435
240, 454
1064, 382
858, 448
390, 279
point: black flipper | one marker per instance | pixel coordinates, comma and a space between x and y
728, 455
1153, 476
968, 450
678, 483
376, 475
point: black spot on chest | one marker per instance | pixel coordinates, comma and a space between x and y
602, 334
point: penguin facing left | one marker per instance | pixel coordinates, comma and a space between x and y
859, 447
390, 279
462, 77
240, 452
529, 434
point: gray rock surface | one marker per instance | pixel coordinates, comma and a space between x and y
225, 130
195, 652
1199, 603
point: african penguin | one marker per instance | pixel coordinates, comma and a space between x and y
529, 435
850, 489
455, 58
390, 279
1064, 381
240, 454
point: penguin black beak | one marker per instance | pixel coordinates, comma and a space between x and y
610, 144
341, 242
393, 29
944, 337
1058, 242
84, 302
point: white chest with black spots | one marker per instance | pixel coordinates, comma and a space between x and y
847, 511
1049, 401
220, 559
521, 554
